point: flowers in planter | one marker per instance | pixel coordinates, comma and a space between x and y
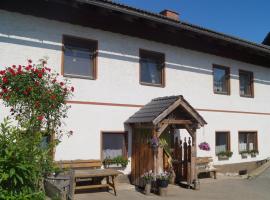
164, 175
245, 153
224, 154
148, 177
119, 160
163, 179
204, 146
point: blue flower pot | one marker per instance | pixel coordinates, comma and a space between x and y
162, 183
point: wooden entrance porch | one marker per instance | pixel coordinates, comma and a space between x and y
159, 119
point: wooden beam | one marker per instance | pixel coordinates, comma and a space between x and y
191, 112
190, 131
167, 111
162, 129
176, 121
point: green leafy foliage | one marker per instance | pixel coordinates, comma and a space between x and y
225, 153
35, 95
38, 104
22, 162
118, 160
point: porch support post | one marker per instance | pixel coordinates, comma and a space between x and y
193, 174
154, 134
194, 177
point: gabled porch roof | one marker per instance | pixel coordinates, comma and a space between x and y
159, 108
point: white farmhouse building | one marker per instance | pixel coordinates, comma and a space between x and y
119, 58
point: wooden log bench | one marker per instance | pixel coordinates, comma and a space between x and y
203, 166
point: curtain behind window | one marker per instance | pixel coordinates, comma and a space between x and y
78, 61
113, 145
150, 71
221, 142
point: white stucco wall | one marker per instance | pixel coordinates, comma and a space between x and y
188, 73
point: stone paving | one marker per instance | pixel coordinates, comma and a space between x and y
223, 188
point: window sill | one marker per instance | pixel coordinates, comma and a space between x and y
222, 93
79, 77
114, 166
247, 96
222, 158
153, 85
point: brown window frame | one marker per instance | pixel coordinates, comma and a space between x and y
248, 132
228, 84
156, 55
125, 133
251, 82
228, 140
84, 43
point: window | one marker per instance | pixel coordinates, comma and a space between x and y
248, 141
221, 80
246, 83
222, 141
114, 144
79, 57
152, 68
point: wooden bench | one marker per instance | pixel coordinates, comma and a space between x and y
68, 176
79, 164
203, 166
86, 175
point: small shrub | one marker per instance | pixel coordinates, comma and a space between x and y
22, 163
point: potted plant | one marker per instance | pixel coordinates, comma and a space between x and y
253, 153
162, 182
244, 154
204, 146
147, 178
116, 161
224, 155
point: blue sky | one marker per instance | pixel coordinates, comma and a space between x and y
247, 19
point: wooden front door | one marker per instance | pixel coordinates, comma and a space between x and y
142, 159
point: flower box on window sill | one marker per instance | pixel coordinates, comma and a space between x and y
224, 155
118, 162
253, 153
244, 154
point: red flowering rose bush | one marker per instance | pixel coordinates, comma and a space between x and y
37, 98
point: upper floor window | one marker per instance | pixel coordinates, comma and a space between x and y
246, 83
152, 68
221, 79
222, 141
79, 57
247, 141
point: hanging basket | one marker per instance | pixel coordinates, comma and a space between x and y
204, 146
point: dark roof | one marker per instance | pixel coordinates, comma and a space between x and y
267, 40
157, 106
115, 17
184, 24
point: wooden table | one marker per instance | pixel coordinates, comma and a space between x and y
90, 174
